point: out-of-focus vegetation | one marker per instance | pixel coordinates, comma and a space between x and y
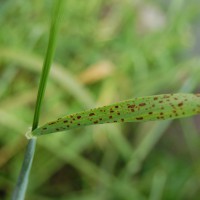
107, 51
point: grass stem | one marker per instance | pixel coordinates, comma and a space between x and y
22, 182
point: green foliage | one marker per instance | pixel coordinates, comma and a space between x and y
22, 181
106, 53
157, 107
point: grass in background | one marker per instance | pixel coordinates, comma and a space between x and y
111, 40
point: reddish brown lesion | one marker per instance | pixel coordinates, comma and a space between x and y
180, 104
142, 104
131, 106
166, 96
139, 118
91, 114
78, 117
51, 123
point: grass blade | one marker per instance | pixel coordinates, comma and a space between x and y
158, 107
22, 182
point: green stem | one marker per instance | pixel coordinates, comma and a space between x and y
22, 182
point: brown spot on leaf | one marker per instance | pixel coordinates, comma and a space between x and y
131, 106
180, 104
166, 96
139, 118
51, 123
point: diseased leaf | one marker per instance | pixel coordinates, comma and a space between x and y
141, 109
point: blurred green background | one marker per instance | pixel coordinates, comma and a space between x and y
107, 51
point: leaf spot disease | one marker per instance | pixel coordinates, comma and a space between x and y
142, 104
180, 104
157, 107
139, 118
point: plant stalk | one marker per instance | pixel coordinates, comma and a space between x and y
22, 182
